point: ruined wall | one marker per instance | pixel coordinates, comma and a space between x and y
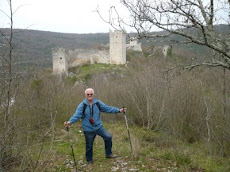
116, 54
134, 45
90, 56
117, 47
63, 59
60, 64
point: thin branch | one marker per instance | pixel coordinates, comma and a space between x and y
207, 64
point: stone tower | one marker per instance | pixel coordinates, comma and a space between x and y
166, 50
117, 47
60, 64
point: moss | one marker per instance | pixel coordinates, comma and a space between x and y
71, 80
169, 52
36, 83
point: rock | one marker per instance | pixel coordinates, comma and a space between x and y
68, 165
67, 161
71, 75
124, 169
133, 169
124, 164
114, 168
77, 83
80, 162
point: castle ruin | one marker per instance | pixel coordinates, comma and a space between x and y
117, 48
166, 50
63, 59
60, 64
90, 56
134, 45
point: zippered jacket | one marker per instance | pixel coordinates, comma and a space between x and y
92, 111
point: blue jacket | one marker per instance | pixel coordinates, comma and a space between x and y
86, 125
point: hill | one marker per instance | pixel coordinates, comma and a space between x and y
177, 119
34, 47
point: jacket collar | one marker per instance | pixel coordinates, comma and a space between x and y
94, 101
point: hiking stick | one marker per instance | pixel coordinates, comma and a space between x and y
75, 164
127, 127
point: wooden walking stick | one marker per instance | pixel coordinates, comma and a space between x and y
127, 127
71, 145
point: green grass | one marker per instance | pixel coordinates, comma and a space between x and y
153, 151
85, 72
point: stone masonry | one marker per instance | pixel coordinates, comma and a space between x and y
117, 49
62, 59
60, 64
134, 45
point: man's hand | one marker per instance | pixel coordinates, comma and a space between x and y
123, 110
66, 123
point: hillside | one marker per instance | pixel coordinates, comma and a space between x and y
151, 152
34, 47
177, 119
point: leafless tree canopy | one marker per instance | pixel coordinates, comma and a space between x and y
194, 20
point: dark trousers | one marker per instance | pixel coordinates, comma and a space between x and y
89, 139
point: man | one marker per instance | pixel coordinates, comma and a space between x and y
89, 111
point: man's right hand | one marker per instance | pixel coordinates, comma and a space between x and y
123, 110
66, 123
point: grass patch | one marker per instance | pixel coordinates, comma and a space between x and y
85, 72
154, 152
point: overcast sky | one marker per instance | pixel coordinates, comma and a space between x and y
67, 16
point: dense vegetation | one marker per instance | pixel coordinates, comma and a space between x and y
179, 120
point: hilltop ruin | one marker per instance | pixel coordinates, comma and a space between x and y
115, 54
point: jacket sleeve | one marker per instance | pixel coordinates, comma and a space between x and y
107, 109
78, 114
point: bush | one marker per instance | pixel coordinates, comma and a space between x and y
188, 106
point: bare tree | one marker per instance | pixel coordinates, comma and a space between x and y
6, 85
193, 20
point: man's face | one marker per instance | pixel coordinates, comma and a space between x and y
89, 95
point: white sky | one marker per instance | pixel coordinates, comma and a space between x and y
67, 16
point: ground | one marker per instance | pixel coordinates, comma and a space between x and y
151, 152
